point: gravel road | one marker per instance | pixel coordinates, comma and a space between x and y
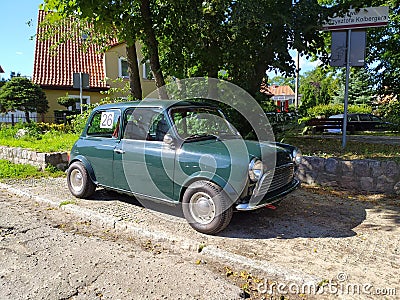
46, 253
345, 246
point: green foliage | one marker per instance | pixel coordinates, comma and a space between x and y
360, 87
383, 50
9, 170
390, 112
41, 137
317, 87
66, 101
324, 147
21, 94
282, 80
335, 109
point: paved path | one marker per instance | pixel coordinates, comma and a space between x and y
47, 253
313, 236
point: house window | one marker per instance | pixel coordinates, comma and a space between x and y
123, 67
77, 105
147, 73
85, 101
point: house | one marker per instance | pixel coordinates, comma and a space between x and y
54, 70
283, 96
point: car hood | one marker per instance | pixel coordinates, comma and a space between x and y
238, 150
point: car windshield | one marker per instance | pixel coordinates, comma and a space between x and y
201, 122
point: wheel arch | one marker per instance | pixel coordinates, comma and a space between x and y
214, 178
87, 166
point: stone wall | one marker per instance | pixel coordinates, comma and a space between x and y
37, 159
358, 175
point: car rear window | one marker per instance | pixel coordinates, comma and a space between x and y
105, 124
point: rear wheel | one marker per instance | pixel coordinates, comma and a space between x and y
79, 182
206, 207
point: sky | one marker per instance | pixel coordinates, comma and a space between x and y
17, 47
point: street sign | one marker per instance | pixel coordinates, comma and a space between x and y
365, 17
339, 48
81, 81
77, 80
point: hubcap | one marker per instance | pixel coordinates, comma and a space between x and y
202, 208
76, 180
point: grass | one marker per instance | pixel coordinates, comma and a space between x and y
9, 170
49, 141
324, 147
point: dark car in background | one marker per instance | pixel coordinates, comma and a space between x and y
362, 122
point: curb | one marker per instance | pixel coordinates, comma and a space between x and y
176, 243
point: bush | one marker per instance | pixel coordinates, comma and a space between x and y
328, 110
391, 113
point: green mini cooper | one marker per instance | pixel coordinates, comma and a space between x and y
183, 153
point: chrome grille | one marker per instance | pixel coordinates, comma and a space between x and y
282, 176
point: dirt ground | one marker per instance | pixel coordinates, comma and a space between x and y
317, 244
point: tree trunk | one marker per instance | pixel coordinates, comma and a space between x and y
212, 83
133, 69
28, 120
256, 79
152, 44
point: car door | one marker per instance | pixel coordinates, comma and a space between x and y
99, 142
145, 164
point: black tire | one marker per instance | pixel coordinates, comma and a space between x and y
206, 207
79, 182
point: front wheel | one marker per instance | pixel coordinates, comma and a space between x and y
206, 207
79, 182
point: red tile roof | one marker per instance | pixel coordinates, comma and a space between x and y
55, 69
276, 90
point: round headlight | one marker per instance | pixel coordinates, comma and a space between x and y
297, 156
256, 169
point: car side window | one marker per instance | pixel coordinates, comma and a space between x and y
105, 124
364, 118
375, 119
143, 123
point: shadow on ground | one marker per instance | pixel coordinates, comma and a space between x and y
302, 214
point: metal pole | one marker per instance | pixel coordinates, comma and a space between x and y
80, 91
296, 86
346, 89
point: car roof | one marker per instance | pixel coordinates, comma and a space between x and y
164, 104
351, 114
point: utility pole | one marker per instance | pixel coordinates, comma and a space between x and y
296, 85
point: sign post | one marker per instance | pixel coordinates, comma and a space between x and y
81, 81
342, 43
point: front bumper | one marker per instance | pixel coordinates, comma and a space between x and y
269, 198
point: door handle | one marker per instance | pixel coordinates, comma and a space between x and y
119, 151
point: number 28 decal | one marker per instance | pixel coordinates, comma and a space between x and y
107, 119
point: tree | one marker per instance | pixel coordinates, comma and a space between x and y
360, 87
22, 94
66, 101
318, 86
282, 80
383, 50
184, 38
